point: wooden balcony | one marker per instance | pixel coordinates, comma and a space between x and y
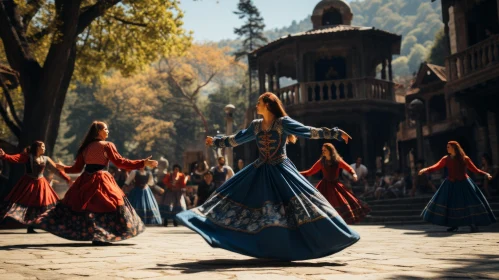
336, 91
473, 66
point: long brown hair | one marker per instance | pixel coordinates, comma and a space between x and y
33, 148
274, 105
460, 155
335, 157
92, 134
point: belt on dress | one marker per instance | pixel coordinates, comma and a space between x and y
92, 168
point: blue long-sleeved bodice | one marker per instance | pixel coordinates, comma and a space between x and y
272, 142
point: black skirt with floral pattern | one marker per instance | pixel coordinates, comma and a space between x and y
124, 223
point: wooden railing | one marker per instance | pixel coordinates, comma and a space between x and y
476, 58
336, 90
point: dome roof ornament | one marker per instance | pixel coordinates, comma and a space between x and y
331, 12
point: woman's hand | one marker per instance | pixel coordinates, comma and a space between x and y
209, 141
150, 163
345, 136
489, 177
2, 153
422, 171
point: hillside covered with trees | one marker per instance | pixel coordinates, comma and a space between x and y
417, 21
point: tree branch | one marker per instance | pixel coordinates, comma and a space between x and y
10, 124
90, 13
6, 92
199, 87
129, 22
33, 7
12, 34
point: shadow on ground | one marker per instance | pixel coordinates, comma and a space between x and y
429, 230
228, 264
482, 267
48, 246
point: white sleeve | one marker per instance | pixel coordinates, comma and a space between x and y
130, 178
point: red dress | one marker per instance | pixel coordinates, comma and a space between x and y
94, 207
32, 195
351, 209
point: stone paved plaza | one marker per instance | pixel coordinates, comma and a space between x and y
384, 252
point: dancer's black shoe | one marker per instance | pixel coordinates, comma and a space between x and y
31, 230
452, 229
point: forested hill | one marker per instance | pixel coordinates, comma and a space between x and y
417, 22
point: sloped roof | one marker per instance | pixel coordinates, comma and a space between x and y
323, 31
439, 71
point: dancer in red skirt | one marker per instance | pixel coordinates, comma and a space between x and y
32, 195
95, 208
351, 209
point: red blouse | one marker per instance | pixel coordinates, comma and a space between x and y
330, 173
456, 169
101, 152
174, 183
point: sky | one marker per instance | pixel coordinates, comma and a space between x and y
214, 20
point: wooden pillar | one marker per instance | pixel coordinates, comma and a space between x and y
365, 146
271, 82
390, 71
277, 76
427, 109
392, 144
261, 80
383, 69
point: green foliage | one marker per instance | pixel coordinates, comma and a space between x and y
148, 114
439, 49
416, 21
252, 30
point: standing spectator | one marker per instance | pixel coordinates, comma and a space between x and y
361, 171
200, 169
206, 188
174, 198
221, 172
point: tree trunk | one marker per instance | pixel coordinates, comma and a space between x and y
55, 116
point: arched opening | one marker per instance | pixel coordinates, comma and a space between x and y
332, 17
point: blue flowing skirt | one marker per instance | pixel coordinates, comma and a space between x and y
459, 203
145, 205
270, 211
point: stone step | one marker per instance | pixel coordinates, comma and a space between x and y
413, 200
411, 212
392, 219
405, 200
414, 206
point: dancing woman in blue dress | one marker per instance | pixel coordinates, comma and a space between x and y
268, 210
